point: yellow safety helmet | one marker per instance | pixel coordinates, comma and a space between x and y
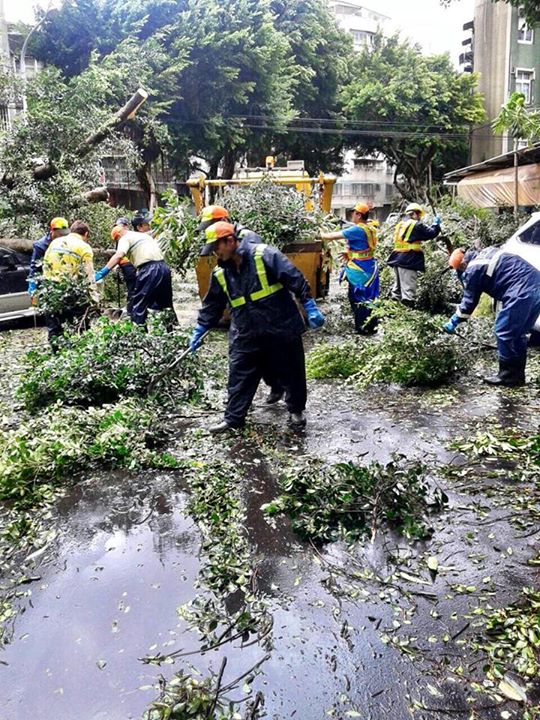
58, 223
415, 207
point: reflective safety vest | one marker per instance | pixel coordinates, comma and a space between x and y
366, 254
266, 288
401, 237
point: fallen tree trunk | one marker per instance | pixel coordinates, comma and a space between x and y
46, 170
21, 245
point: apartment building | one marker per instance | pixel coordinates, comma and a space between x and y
368, 178
506, 53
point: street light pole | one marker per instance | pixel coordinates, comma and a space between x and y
22, 61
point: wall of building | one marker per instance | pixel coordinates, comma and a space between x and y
369, 179
492, 29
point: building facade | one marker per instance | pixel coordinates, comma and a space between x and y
506, 54
367, 178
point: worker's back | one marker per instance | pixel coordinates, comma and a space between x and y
66, 256
140, 248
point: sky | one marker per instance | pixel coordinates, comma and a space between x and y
436, 28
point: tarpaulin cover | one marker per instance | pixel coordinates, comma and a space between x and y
491, 188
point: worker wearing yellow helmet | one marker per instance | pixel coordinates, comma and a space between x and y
407, 257
360, 267
58, 227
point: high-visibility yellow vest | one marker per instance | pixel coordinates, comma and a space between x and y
266, 288
366, 254
66, 256
402, 234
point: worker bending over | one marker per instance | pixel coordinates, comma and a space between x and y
153, 285
407, 257
361, 269
511, 281
70, 256
257, 282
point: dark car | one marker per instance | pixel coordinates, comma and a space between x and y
14, 297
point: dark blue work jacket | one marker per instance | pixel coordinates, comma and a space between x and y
275, 315
507, 278
414, 259
39, 248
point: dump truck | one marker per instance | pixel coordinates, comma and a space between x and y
309, 258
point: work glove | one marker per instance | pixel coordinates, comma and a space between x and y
452, 324
32, 287
315, 317
100, 274
437, 220
195, 340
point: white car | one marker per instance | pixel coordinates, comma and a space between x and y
525, 242
14, 297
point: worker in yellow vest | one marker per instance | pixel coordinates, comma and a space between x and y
70, 256
407, 257
257, 282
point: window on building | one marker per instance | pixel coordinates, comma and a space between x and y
525, 33
363, 38
4, 118
524, 80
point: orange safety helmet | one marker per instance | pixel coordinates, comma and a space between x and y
456, 258
117, 231
362, 207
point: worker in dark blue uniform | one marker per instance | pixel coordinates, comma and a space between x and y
212, 214
257, 282
513, 282
58, 227
407, 257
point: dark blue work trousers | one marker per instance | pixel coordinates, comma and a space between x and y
153, 289
514, 322
270, 356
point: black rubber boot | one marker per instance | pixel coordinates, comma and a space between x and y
511, 373
273, 397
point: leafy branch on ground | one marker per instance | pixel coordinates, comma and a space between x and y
175, 228
62, 441
68, 291
410, 349
111, 361
351, 502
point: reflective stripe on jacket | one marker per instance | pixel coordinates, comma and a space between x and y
266, 288
367, 254
259, 291
402, 235
67, 256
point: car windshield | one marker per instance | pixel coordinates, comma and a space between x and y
531, 234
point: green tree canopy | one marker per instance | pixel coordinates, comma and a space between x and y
414, 110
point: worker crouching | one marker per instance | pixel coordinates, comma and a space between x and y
511, 281
257, 282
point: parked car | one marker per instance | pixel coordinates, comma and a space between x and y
14, 297
525, 242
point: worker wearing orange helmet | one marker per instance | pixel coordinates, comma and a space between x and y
360, 269
153, 286
407, 257
58, 227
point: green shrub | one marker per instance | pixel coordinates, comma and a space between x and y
348, 501
108, 362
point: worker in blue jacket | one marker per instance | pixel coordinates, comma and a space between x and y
360, 269
257, 282
515, 283
58, 227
